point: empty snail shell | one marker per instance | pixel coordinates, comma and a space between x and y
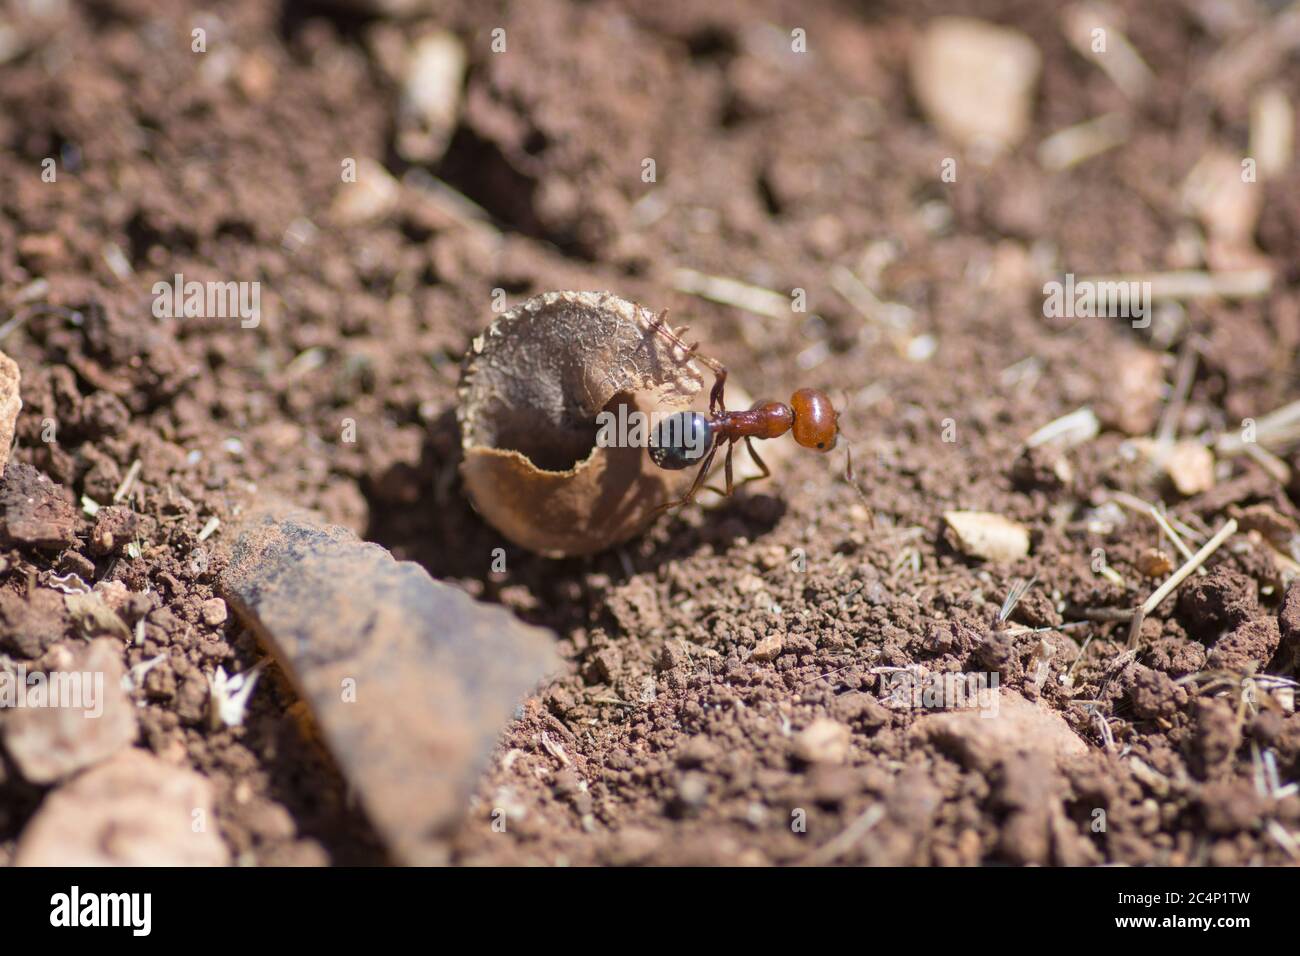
531, 389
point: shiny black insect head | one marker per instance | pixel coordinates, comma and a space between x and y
680, 440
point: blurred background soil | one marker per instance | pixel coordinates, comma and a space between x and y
724, 698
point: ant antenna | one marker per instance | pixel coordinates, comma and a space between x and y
852, 478
849, 474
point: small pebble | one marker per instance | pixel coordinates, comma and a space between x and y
694, 789
214, 612
975, 81
769, 648
822, 741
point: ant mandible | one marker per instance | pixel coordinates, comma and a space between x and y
689, 438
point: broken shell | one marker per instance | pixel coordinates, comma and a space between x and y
530, 390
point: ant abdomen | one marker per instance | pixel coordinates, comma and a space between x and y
681, 440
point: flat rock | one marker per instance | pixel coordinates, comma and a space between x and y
34, 511
10, 404
133, 810
410, 680
982, 534
1018, 726
93, 720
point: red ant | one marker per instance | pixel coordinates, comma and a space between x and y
688, 438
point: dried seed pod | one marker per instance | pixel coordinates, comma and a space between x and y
531, 388
1154, 563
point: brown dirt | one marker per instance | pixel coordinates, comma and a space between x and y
703, 659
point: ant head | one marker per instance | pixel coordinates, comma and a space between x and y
816, 423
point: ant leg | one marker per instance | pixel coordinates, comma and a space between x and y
759, 462
731, 484
661, 327
753, 453
716, 401
695, 486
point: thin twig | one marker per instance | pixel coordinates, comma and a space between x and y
1277, 469
1196, 560
1177, 578
847, 839
1017, 591
1134, 503
1166, 286
895, 317
1074, 144
1107, 615
128, 481
1121, 61
1069, 674
1276, 431
1175, 537
732, 292
1173, 411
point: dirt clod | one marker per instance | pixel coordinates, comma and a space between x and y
31, 624
213, 612
115, 526
93, 720
1154, 694
34, 511
1246, 648
1288, 620
982, 739
1222, 599
133, 810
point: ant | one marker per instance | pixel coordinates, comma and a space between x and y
688, 438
